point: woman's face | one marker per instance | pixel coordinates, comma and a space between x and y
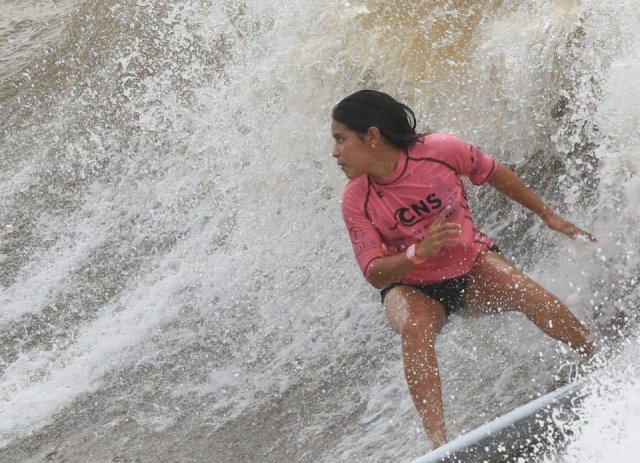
353, 154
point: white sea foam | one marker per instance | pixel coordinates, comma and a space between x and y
181, 254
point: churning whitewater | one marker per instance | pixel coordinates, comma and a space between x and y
176, 282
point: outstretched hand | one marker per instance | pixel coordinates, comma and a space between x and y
439, 234
558, 224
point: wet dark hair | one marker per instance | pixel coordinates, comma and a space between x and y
370, 108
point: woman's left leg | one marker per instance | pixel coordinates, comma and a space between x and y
498, 286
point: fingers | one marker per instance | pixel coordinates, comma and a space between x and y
577, 233
447, 226
442, 216
563, 226
583, 235
446, 231
440, 222
442, 235
439, 234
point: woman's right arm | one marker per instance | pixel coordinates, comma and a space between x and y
389, 269
386, 270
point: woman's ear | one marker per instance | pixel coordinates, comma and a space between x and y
373, 137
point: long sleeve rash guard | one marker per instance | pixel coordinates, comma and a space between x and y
385, 216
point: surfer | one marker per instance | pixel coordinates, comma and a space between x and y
415, 240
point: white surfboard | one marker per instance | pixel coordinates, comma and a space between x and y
500, 438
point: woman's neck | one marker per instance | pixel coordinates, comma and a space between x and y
387, 161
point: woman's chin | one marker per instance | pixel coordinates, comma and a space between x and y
352, 175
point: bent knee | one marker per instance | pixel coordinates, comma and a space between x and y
411, 312
421, 325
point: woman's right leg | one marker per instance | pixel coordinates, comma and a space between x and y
418, 319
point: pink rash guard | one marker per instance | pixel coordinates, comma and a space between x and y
385, 216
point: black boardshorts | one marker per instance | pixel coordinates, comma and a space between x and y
450, 293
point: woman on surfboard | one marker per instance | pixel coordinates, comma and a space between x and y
414, 237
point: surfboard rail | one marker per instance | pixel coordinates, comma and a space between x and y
499, 439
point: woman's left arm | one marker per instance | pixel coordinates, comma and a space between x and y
507, 182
